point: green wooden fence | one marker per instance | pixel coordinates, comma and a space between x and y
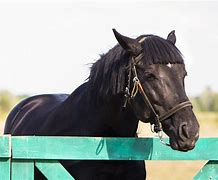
19, 155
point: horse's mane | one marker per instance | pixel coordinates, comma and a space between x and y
108, 75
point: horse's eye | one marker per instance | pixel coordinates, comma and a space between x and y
150, 76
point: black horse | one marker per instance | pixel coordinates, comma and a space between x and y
138, 79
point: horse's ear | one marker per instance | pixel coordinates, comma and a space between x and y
172, 37
130, 45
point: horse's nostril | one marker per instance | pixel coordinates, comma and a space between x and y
184, 130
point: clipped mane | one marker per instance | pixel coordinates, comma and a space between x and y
108, 75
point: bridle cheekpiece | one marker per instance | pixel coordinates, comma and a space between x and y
137, 87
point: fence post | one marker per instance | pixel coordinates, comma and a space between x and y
22, 169
5, 157
209, 171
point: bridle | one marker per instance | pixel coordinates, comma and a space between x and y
137, 87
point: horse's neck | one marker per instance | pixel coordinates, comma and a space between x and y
125, 124
107, 115
122, 122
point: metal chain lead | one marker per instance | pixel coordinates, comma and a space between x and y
160, 135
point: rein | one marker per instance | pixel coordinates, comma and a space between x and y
137, 87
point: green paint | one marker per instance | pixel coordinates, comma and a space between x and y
208, 172
22, 169
107, 149
53, 170
5, 151
5, 168
5, 154
47, 150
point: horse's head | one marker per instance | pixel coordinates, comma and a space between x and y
155, 88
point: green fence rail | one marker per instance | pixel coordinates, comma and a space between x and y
19, 154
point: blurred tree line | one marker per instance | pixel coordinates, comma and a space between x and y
207, 101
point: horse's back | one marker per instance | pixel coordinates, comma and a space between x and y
29, 115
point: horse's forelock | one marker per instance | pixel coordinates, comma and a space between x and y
157, 50
108, 74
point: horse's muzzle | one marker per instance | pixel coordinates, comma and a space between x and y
184, 144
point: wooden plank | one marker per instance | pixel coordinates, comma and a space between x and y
107, 149
5, 168
53, 170
5, 149
22, 169
209, 171
36, 147
5, 154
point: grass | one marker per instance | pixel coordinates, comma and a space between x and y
208, 124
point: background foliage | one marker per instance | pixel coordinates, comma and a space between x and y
7, 101
207, 101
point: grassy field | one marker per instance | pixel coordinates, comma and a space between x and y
171, 170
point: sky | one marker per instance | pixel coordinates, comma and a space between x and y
48, 46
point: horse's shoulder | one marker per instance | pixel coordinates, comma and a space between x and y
46, 98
